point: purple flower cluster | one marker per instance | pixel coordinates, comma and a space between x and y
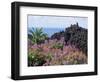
47, 54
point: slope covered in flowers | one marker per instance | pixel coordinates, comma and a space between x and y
68, 47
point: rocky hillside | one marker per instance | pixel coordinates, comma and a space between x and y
74, 35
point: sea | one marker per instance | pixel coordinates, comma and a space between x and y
50, 31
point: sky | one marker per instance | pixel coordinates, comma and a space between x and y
53, 24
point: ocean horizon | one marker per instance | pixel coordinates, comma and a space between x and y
50, 31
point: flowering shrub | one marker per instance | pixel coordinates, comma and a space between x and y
76, 57
70, 57
44, 55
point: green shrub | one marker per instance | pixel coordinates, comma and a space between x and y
35, 58
49, 56
58, 46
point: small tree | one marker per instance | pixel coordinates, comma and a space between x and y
37, 36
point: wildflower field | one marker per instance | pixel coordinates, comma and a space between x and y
66, 47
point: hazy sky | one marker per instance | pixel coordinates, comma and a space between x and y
56, 21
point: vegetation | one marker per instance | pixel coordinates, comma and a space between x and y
57, 46
74, 35
58, 35
67, 47
77, 36
37, 36
35, 58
